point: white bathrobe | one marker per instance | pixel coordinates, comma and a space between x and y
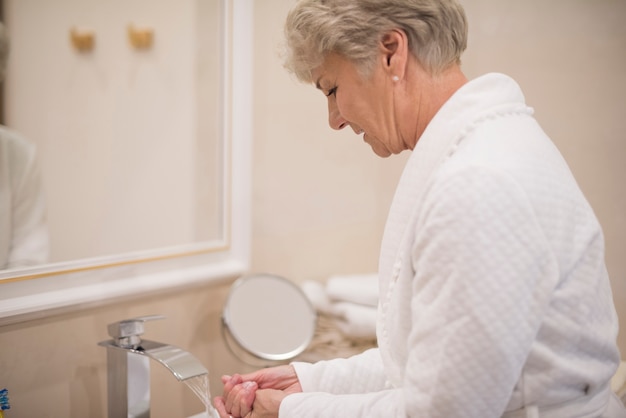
494, 296
23, 230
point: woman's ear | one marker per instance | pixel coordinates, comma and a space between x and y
394, 48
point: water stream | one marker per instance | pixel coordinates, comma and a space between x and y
200, 386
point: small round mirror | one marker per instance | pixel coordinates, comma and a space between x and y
269, 317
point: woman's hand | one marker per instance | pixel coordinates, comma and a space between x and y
280, 377
240, 392
237, 399
267, 403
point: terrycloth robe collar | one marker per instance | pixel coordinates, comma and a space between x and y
487, 96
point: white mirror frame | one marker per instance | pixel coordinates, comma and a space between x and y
38, 292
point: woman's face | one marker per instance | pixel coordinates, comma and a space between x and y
366, 105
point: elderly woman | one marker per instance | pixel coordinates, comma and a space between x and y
494, 296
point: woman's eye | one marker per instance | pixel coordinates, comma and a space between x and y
331, 92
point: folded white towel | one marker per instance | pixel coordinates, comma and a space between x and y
355, 321
355, 288
316, 293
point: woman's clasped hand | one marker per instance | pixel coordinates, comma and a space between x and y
257, 394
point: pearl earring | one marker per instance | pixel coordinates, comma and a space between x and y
395, 78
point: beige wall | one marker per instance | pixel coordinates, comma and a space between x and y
320, 197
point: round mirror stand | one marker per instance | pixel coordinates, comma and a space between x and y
267, 320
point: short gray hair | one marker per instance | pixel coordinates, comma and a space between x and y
436, 31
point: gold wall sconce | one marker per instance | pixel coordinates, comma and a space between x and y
140, 38
82, 41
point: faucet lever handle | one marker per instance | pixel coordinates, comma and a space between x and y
127, 331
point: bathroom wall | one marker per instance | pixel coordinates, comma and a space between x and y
53, 367
321, 196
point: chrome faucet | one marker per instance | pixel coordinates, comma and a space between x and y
128, 367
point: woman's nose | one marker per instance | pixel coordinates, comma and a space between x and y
335, 120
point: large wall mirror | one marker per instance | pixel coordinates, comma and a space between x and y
142, 160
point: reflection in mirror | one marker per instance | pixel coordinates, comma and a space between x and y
23, 229
268, 317
130, 140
